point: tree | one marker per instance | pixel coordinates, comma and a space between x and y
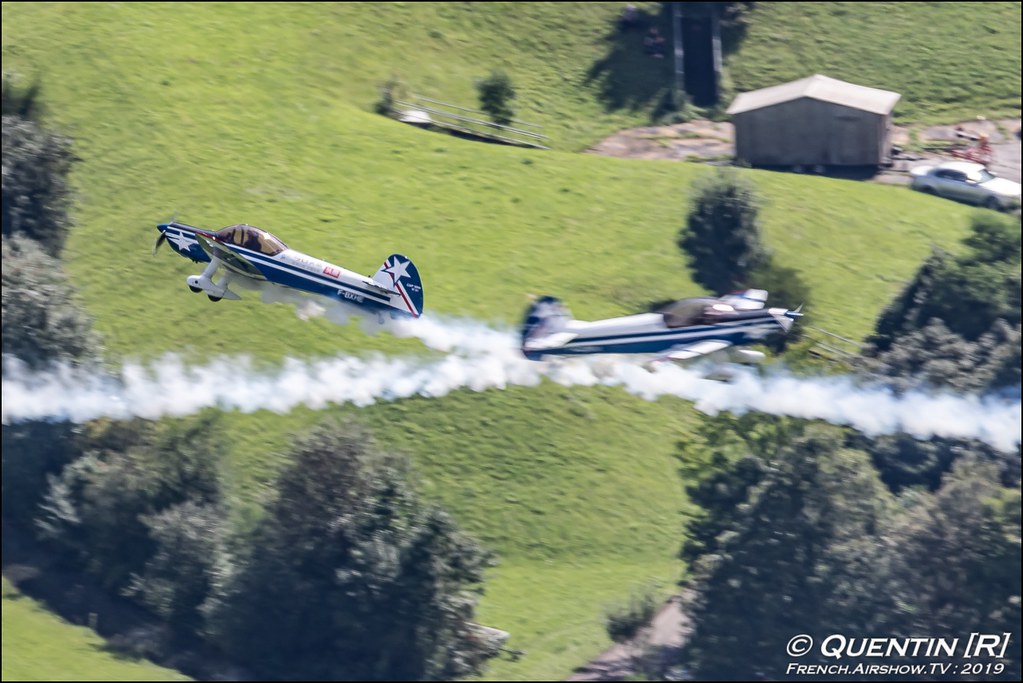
96, 511
177, 579
967, 293
42, 323
496, 92
32, 450
956, 567
792, 559
351, 576
957, 323
36, 194
722, 233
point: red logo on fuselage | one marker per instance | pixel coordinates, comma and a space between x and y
332, 271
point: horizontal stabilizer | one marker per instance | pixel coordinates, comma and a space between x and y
544, 327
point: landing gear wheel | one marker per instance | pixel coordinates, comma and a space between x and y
993, 204
214, 298
195, 289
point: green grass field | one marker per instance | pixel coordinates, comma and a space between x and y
951, 61
40, 646
262, 114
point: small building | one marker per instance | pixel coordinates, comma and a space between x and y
815, 122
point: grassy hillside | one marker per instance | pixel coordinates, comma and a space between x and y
39, 646
260, 113
951, 61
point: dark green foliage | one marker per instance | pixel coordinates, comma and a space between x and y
23, 103
904, 462
817, 545
31, 451
623, 622
956, 567
718, 484
967, 293
957, 323
496, 93
351, 576
935, 356
993, 239
719, 495
788, 560
96, 511
722, 234
389, 92
36, 194
177, 578
41, 321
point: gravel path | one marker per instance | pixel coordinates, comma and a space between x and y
714, 142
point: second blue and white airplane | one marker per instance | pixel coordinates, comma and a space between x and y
247, 252
682, 331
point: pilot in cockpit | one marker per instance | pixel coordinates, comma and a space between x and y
697, 311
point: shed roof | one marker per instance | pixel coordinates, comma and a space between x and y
818, 87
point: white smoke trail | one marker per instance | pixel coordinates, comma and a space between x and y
481, 358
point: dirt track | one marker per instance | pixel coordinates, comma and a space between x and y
714, 142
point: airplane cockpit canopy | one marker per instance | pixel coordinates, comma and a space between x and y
248, 237
696, 311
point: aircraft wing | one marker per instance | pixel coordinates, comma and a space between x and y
747, 300
549, 341
694, 350
229, 257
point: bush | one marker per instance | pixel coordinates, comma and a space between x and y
496, 92
23, 103
389, 92
36, 194
722, 233
96, 511
42, 322
624, 621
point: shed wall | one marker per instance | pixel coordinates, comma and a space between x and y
811, 132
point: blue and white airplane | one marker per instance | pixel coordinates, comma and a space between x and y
681, 331
247, 252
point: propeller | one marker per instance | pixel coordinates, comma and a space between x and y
159, 240
163, 234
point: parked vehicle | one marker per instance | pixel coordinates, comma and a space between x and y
967, 182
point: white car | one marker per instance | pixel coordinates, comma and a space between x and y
967, 182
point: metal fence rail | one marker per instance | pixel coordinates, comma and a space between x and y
416, 111
833, 347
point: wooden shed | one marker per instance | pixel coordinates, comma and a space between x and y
815, 121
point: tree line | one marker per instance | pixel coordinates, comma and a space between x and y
808, 528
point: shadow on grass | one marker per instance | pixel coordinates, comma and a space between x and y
130, 633
627, 77
631, 75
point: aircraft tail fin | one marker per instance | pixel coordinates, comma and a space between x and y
545, 319
400, 275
